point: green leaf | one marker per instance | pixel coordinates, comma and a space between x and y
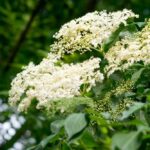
43, 143
121, 32
148, 98
4, 93
128, 30
65, 146
112, 39
126, 141
88, 140
75, 123
129, 94
134, 107
137, 75
140, 24
57, 125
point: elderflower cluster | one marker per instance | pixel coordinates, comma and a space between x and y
48, 82
88, 32
52, 80
129, 50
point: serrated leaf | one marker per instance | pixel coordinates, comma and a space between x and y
134, 107
140, 24
112, 39
128, 30
57, 125
137, 75
129, 94
43, 143
75, 123
88, 140
119, 33
126, 141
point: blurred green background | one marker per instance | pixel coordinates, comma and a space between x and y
26, 29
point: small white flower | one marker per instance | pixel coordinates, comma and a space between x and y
47, 82
128, 51
89, 31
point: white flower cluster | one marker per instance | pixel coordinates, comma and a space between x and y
46, 82
129, 50
50, 81
89, 31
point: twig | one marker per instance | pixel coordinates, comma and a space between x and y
23, 35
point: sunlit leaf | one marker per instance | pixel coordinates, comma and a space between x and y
75, 123
57, 125
137, 75
126, 141
134, 107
